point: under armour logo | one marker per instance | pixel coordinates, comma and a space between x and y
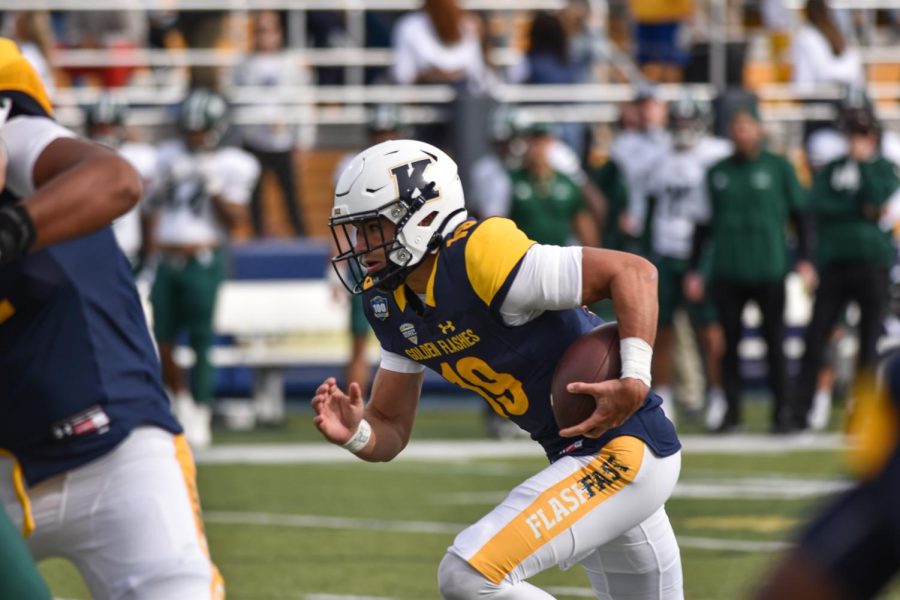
411, 184
447, 327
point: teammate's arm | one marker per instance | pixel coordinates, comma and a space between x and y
390, 413
80, 187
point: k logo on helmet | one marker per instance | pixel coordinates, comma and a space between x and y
411, 183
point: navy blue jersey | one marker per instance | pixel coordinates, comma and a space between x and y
78, 370
458, 332
77, 366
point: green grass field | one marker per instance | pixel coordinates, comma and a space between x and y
308, 531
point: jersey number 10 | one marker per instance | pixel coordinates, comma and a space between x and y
501, 390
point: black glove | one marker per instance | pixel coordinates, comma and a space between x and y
16, 232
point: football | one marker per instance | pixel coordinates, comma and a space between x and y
592, 358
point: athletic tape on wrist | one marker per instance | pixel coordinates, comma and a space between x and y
637, 356
360, 438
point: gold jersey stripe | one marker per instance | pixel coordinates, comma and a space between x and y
400, 297
492, 252
17, 74
429, 288
559, 507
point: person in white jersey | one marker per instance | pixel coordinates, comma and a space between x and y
104, 122
678, 184
206, 191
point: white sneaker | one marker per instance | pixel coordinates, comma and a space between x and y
199, 436
195, 419
716, 409
821, 410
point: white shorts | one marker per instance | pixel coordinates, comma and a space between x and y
129, 521
604, 511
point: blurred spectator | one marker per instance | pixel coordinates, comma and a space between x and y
202, 30
638, 152
778, 20
441, 43
326, 29
546, 204
548, 60
32, 33
206, 189
854, 253
678, 185
273, 143
105, 123
115, 31
821, 53
491, 190
610, 181
660, 37
753, 195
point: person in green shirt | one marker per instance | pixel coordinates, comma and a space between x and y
546, 204
854, 253
610, 180
754, 195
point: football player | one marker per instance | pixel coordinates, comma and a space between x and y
206, 189
21, 578
98, 471
678, 183
383, 125
105, 123
492, 312
849, 551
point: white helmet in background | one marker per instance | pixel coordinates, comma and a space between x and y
413, 185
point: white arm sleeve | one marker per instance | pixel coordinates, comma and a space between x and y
399, 364
549, 278
25, 139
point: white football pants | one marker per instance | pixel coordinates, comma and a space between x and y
129, 521
604, 511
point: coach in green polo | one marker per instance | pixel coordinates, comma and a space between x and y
854, 251
754, 197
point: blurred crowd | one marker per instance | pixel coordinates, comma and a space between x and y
689, 183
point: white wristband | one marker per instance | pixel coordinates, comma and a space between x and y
360, 438
637, 356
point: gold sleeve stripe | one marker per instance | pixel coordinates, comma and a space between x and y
560, 506
493, 250
17, 74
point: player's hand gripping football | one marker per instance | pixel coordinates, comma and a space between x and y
617, 399
337, 414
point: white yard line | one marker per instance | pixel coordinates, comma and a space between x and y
704, 543
449, 450
342, 597
572, 591
320, 522
734, 488
384, 525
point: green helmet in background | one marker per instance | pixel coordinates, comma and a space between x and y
204, 112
